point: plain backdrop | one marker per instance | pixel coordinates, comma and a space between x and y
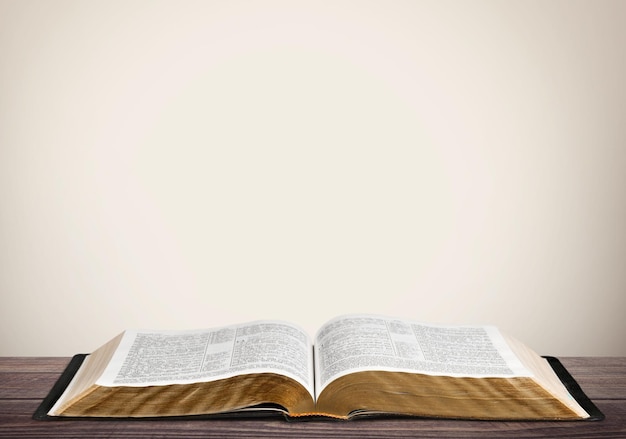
190, 164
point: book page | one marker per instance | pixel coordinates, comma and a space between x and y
149, 358
359, 343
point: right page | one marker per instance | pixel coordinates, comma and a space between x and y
364, 342
368, 365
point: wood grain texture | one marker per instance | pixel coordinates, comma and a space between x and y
600, 377
24, 382
34, 364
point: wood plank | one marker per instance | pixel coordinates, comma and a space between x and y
29, 377
15, 420
599, 377
33, 364
34, 385
584, 362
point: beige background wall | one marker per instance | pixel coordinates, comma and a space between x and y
189, 164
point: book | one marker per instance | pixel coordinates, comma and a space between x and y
356, 366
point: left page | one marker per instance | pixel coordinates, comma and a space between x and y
151, 358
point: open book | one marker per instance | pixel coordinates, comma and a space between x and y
357, 365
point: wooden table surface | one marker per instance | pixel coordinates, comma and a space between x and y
25, 381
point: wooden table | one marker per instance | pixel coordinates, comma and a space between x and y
25, 381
